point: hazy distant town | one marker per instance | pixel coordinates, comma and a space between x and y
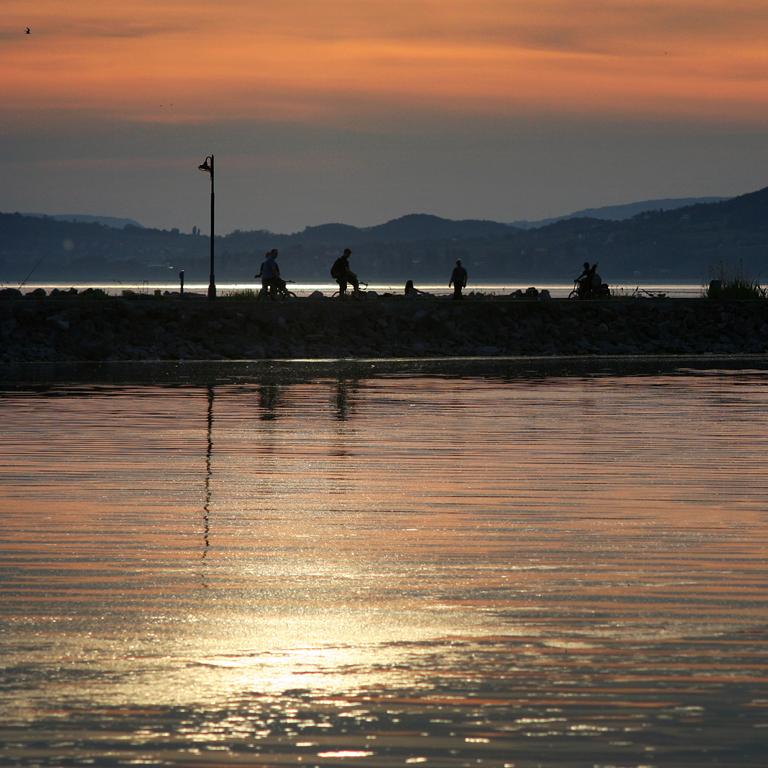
661, 240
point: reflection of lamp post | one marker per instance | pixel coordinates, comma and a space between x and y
208, 166
208, 472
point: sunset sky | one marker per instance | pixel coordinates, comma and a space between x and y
359, 111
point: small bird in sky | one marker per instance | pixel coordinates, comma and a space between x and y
28, 32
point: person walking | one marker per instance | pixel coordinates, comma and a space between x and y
458, 280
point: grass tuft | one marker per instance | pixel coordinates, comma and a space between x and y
733, 282
246, 294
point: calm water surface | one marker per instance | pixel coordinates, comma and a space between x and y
387, 571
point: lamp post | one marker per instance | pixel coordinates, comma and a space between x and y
208, 166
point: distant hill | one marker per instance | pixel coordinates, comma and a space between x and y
420, 226
745, 212
410, 228
107, 221
331, 233
661, 241
622, 212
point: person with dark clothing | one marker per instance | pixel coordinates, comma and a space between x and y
411, 290
458, 280
586, 280
260, 275
270, 274
342, 274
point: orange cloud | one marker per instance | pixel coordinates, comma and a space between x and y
307, 60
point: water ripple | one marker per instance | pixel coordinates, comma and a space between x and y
383, 571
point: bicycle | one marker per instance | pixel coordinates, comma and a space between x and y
580, 291
361, 287
281, 291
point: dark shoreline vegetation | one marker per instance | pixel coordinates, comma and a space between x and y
94, 327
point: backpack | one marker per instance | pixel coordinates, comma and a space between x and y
339, 268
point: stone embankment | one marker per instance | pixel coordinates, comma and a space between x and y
76, 329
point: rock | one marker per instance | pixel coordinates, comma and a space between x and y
59, 322
170, 329
7, 327
94, 350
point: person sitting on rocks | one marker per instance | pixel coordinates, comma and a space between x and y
342, 274
410, 290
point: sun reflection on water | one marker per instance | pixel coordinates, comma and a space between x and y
386, 571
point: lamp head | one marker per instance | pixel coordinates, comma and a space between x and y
206, 166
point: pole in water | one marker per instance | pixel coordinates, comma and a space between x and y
181, 281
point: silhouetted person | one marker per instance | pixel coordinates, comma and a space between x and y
582, 278
458, 280
270, 274
260, 274
410, 290
586, 280
342, 274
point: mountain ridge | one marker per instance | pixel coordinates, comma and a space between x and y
406, 225
77, 218
623, 211
680, 243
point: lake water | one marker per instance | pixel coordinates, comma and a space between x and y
326, 570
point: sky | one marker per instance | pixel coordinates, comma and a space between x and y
360, 111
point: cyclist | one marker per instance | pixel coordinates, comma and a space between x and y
342, 274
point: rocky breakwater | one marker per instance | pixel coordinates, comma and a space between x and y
52, 329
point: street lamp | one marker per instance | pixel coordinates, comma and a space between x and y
208, 166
